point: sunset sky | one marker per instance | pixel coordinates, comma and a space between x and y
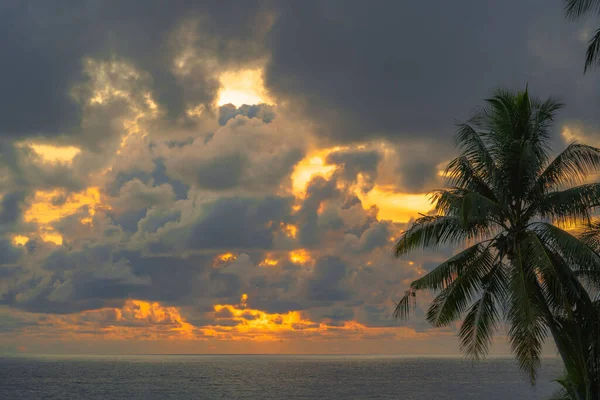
229, 177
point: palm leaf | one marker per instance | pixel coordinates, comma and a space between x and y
477, 329
570, 205
453, 300
434, 231
569, 168
577, 8
527, 323
575, 252
462, 173
593, 51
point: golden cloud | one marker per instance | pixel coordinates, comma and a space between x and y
50, 206
142, 320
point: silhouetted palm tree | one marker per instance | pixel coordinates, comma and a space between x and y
575, 9
506, 203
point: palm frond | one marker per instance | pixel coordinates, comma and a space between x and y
478, 327
434, 231
406, 305
527, 323
471, 207
545, 113
462, 173
454, 299
570, 205
575, 252
577, 8
536, 257
592, 54
444, 274
570, 167
473, 147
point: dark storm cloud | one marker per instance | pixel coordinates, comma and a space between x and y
400, 69
318, 190
44, 44
158, 176
232, 223
395, 70
247, 153
263, 111
327, 282
9, 254
354, 162
11, 209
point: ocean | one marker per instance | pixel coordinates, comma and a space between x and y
268, 377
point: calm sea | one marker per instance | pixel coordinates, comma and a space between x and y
267, 377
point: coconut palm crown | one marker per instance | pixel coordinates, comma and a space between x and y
508, 206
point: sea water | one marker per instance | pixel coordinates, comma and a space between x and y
268, 377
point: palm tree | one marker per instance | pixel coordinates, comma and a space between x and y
575, 9
507, 206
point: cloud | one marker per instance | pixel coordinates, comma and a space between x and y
407, 70
44, 61
168, 206
246, 153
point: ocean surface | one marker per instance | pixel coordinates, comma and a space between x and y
268, 377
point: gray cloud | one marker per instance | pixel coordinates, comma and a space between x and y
399, 69
44, 48
392, 77
354, 162
247, 153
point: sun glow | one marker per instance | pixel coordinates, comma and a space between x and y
309, 167
398, 207
54, 154
242, 87
300, 256
20, 240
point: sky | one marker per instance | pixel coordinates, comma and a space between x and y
230, 176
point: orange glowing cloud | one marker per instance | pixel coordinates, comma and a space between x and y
224, 258
310, 166
53, 154
142, 320
20, 240
392, 205
269, 261
155, 313
136, 319
45, 209
300, 256
290, 230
